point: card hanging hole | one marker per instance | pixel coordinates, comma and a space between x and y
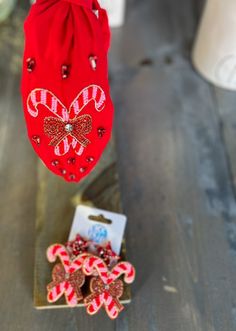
100, 218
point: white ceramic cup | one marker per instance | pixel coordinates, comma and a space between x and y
6, 7
214, 52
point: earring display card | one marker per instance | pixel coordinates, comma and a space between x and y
56, 203
99, 226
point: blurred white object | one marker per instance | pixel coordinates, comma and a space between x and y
6, 7
115, 10
214, 53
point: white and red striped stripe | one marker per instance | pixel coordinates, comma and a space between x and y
63, 288
122, 268
70, 295
93, 264
56, 292
46, 98
111, 306
94, 306
59, 251
92, 92
64, 146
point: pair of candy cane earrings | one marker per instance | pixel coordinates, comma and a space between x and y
106, 287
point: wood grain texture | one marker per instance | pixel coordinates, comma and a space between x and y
176, 163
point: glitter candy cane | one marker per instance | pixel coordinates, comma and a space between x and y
67, 276
106, 288
122, 268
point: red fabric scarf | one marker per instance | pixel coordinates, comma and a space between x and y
65, 89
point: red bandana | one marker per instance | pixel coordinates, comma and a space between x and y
65, 89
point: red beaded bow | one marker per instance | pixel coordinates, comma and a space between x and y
107, 254
58, 130
77, 246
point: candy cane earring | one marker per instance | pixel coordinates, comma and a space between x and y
106, 288
67, 276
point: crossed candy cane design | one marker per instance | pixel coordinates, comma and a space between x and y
72, 274
62, 116
106, 288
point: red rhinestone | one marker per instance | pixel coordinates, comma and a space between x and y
65, 71
90, 159
96, 12
101, 131
55, 162
82, 169
72, 177
30, 64
93, 61
63, 171
102, 253
36, 140
71, 160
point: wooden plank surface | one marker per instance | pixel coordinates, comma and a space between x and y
176, 163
